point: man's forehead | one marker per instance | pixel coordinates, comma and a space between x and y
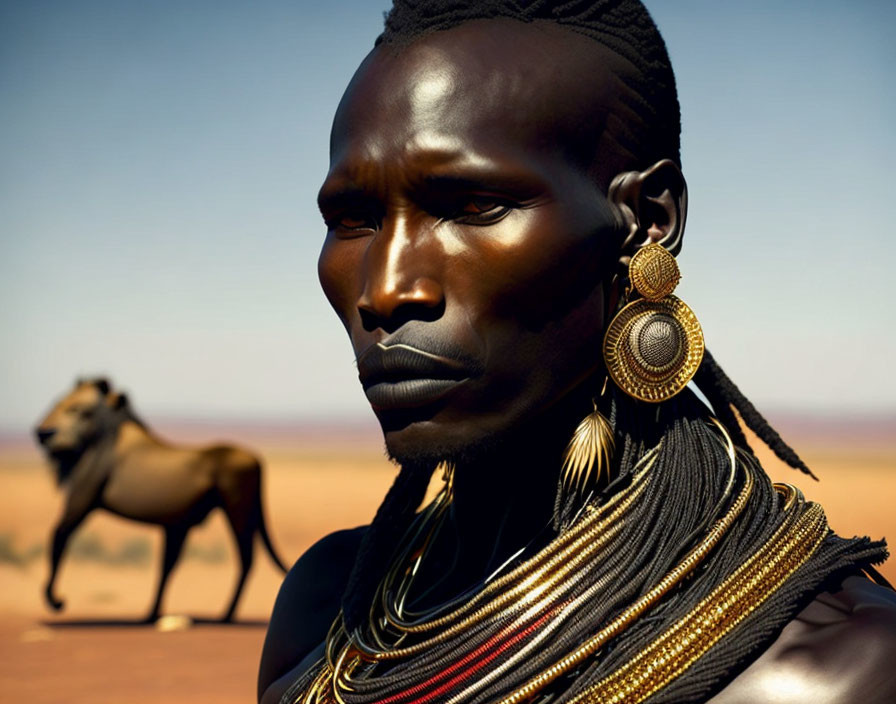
486, 79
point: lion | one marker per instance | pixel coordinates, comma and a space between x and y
106, 457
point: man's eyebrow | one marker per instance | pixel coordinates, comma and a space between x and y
339, 192
483, 179
342, 188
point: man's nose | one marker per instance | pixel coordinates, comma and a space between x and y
401, 281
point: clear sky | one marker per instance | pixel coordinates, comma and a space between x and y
159, 163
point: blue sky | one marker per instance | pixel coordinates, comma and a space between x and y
160, 162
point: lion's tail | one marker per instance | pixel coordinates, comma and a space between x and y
266, 538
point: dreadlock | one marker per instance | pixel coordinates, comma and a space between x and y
724, 395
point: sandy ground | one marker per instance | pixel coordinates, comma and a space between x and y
96, 651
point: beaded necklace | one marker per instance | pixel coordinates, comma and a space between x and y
505, 640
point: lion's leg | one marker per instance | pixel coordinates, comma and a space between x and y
61, 535
78, 504
174, 543
244, 524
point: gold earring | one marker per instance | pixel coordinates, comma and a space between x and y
654, 345
585, 461
589, 450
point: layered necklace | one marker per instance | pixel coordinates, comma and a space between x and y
542, 628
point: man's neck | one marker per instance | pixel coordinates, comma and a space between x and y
503, 502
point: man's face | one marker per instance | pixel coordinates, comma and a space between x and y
469, 239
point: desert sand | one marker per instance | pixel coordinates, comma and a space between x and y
97, 652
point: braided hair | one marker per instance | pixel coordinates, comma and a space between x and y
723, 395
624, 26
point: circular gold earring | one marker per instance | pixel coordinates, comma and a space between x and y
654, 345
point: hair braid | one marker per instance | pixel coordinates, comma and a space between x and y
720, 405
723, 394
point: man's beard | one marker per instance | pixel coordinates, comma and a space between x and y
475, 451
487, 448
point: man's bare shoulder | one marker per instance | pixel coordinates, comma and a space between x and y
306, 605
839, 650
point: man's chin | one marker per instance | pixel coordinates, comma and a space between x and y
413, 445
431, 442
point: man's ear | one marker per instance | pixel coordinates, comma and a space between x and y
653, 205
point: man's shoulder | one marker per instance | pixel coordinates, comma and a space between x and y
317, 579
307, 603
839, 649
331, 550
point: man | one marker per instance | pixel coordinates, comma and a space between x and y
503, 197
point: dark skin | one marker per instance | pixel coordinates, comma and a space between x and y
478, 206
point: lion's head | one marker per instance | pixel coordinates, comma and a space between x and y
90, 412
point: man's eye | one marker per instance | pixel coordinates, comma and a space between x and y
483, 210
352, 223
355, 223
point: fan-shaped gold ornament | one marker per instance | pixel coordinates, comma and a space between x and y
654, 345
588, 451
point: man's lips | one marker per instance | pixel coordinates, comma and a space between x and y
401, 376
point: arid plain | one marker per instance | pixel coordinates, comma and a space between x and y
317, 480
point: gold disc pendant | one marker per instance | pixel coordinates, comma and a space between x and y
653, 348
